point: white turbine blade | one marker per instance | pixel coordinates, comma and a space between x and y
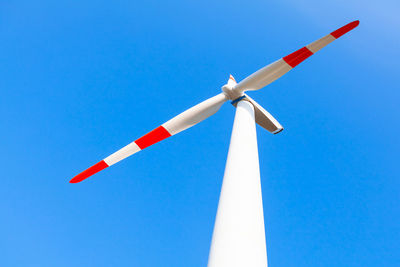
177, 124
195, 114
264, 118
275, 70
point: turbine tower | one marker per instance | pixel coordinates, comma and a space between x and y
239, 237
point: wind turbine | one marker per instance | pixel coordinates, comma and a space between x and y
239, 237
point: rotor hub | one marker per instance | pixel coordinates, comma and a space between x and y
230, 92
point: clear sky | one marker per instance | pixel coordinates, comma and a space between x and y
81, 79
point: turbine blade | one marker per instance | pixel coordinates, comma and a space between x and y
263, 117
231, 82
275, 70
177, 124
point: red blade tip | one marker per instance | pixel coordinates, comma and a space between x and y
345, 29
89, 172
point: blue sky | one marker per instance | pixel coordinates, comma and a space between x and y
81, 79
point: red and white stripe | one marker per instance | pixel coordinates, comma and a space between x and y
270, 73
158, 134
300, 55
177, 124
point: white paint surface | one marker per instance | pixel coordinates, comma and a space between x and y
320, 43
239, 236
195, 114
263, 77
123, 153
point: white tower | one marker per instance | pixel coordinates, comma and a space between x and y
239, 236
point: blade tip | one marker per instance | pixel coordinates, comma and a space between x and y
89, 172
345, 29
278, 130
79, 178
355, 23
